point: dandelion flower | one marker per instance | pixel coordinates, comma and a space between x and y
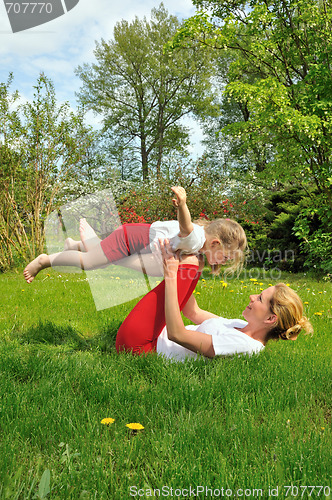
261, 284
224, 285
318, 313
107, 421
287, 284
135, 427
323, 428
198, 293
241, 281
270, 284
253, 279
245, 286
117, 278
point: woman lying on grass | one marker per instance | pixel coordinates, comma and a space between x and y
155, 323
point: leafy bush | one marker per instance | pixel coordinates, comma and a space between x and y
313, 227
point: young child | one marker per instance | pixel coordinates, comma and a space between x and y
220, 240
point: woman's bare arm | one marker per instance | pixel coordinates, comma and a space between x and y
194, 313
193, 340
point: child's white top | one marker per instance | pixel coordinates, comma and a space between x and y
170, 229
226, 340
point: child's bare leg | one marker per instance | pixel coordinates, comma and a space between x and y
32, 269
89, 239
71, 244
93, 259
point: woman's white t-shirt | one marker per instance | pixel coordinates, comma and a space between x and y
170, 229
226, 340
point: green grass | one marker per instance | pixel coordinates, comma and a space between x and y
261, 422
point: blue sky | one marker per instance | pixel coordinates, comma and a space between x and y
58, 47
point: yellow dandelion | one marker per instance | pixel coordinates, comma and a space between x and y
198, 293
320, 292
253, 279
117, 278
261, 289
306, 303
245, 286
48, 275
107, 421
224, 285
241, 281
135, 427
203, 280
270, 284
308, 289
287, 284
318, 313
288, 422
231, 290
323, 428
22, 290
261, 284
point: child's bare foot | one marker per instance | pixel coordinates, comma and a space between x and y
71, 244
32, 269
88, 235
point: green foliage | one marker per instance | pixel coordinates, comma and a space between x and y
313, 229
276, 68
42, 145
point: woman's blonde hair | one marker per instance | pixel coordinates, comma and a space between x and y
288, 307
232, 239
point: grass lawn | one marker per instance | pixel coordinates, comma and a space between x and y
239, 427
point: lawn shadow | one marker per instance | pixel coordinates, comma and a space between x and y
46, 332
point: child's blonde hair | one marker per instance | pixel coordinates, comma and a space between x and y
232, 238
288, 307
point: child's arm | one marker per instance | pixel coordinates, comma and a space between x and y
184, 217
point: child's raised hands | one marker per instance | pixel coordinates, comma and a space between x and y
181, 196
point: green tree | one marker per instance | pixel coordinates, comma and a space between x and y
41, 147
281, 74
143, 91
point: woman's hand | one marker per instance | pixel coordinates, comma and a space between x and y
170, 260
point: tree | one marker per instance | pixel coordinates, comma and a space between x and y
281, 74
143, 91
41, 147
